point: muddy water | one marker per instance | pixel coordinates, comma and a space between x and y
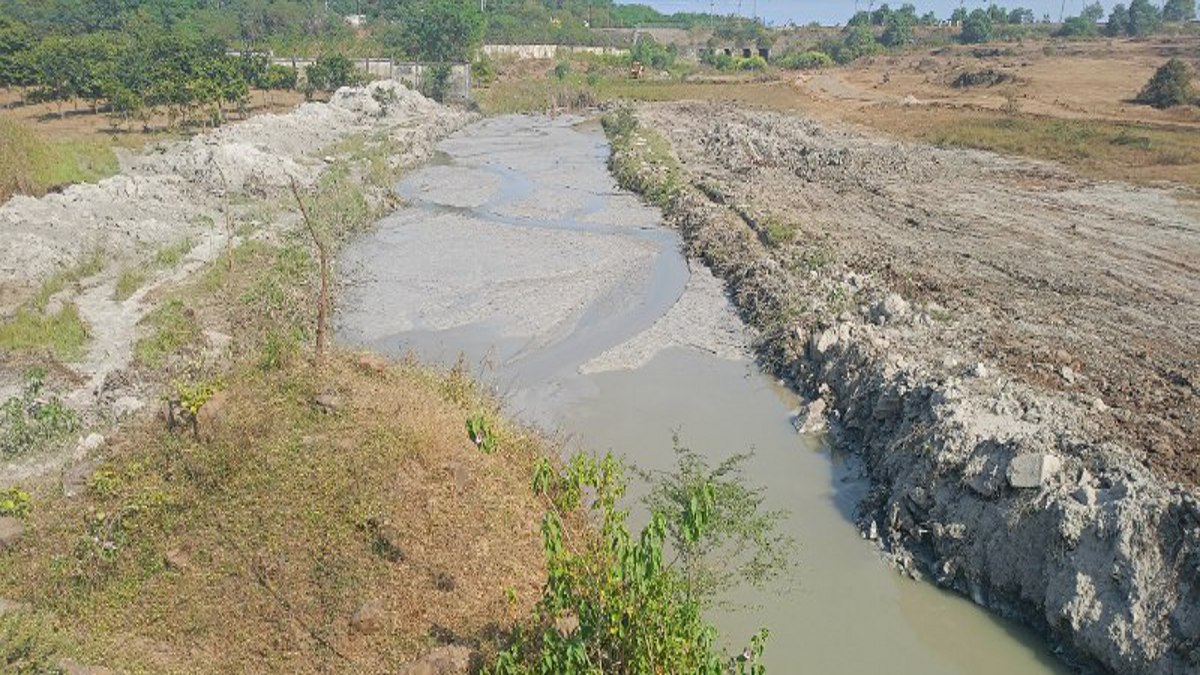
517, 251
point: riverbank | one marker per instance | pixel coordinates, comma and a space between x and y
997, 473
284, 511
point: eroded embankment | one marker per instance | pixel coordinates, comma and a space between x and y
1023, 494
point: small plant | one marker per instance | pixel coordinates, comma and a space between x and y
988, 77
15, 503
1130, 139
128, 283
479, 430
30, 422
170, 256
561, 70
810, 60
779, 232
192, 397
174, 328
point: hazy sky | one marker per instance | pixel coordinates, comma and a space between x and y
837, 11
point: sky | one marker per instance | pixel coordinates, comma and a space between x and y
780, 12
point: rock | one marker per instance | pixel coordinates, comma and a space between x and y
813, 419
1086, 495
872, 531
890, 309
1098, 405
11, 530
980, 370
445, 660
822, 342
369, 618
211, 414
328, 403
1067, 374
126, 406
75, 478
1033, 470
89, 445
373, 363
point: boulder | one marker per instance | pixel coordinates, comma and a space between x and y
1032, 470
445, 660
369, 618
890, 309
11, 530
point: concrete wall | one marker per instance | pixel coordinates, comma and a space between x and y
547, 51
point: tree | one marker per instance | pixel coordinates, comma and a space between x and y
1118, 21
1170, 86
329, 73
899, 30
438, 31
1179, 10
959, 16
977, 27
1144, 18
1020, 15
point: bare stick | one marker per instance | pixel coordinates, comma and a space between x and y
323, 254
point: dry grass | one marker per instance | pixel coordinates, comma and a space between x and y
32, 164
250, 548
251, 551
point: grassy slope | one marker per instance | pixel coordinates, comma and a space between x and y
34, 165
249, 548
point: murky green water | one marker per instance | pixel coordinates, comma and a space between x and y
518, 252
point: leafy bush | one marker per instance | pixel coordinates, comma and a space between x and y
650, 52
1179, 10
810, 60
14, 503
482, 70
1170, 86
329, 73
976, 27
561, 69
612, 602
435, 81
29, 422
755, 63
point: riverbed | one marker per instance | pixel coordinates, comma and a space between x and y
516, 252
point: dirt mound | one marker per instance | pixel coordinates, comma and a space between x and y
168, 193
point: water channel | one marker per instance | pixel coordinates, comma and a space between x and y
517, 251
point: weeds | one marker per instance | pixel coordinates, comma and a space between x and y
174, 328
170, 256
15, 503
27, 646
33, 165
32, 422
128, 283
62, 334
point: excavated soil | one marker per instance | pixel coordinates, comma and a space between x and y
1012, 349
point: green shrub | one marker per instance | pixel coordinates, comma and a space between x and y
15, 503
1170, 86
810, 60
976, 28
561, 70
754, 63
612, 597
435, 81
988, 77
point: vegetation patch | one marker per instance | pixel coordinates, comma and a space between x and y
1171, 85
33, 165
170, 256
988, 77
131, 279
172, 329
642, 159
62, 334
31, 422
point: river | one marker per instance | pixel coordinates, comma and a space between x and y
516, 251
